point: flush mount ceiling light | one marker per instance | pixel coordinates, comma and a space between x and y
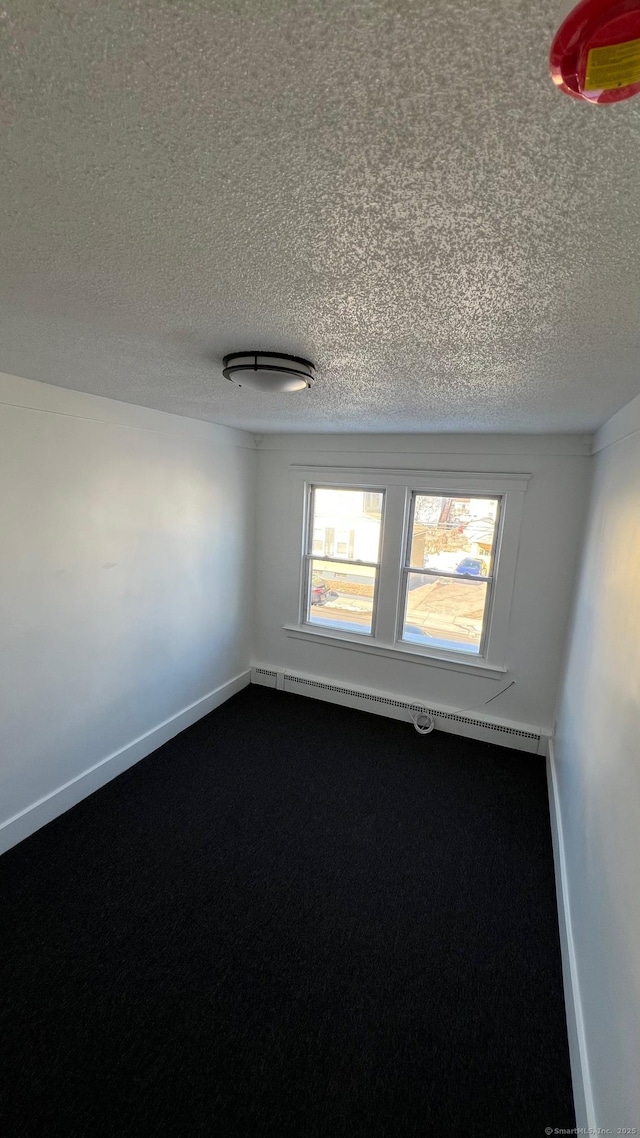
268, 371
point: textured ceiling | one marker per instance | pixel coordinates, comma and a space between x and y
393, 189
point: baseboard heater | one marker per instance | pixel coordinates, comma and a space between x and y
474, 727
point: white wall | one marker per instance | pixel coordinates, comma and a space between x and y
545, 578
597, 761
125, 579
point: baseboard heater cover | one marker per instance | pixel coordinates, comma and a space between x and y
264, 674
458, 723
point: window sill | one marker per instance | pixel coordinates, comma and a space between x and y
396, 652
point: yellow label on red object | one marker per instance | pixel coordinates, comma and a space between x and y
617, 65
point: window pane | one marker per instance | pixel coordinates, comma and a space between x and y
347, 523
454, 535
441, 612
342, 599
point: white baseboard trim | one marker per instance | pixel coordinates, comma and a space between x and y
472, 725
582, 1089
27, 821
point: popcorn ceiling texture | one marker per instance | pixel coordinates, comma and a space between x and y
393, 189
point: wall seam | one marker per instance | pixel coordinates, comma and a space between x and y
134, 426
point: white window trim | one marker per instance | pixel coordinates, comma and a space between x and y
398, 485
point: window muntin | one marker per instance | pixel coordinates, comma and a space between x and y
342, 558
447, 575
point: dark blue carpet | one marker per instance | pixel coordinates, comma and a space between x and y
292, 919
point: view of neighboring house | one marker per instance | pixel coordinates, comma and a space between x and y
346, 524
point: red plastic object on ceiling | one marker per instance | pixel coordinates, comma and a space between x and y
596, 51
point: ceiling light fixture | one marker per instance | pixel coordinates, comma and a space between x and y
268, 371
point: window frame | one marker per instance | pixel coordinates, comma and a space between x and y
309, 556
408, 568
398, 485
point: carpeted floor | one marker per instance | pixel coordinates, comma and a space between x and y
292, 919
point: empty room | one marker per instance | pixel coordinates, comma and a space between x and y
320, 568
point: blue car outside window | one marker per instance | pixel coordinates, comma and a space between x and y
469, 565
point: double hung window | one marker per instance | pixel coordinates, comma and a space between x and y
416, 564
